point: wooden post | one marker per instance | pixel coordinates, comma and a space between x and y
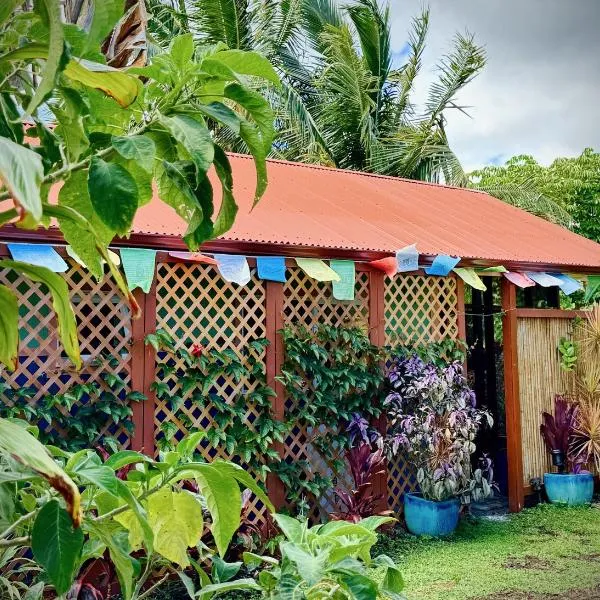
377, 337
516, 488
274, 361
149, 317
137, 372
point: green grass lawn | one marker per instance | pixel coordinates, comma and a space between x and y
545, 550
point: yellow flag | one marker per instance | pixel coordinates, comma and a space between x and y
317, 269
469, 276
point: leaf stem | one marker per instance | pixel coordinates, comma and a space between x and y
18, 522
18, 541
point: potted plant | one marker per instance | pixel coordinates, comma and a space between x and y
571, 485
434, 421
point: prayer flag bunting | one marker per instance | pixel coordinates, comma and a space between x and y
497, 269
519, 279
593, 286
233, 268
442, 265
388, 265
113, 255
408, 259
139, 265
469, 276
543, 279
317, 269
271, 268
41, 255
346, 269
567, 284
194, 257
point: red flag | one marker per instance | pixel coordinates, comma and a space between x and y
519, 279
194, 257
388, 265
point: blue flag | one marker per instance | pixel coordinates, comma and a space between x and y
271, 268
442, 265
41, 255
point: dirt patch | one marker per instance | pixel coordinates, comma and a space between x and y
527, 562
589, 557
591, 594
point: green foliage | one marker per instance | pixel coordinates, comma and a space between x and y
568, 352
115, 132
76, 418
440, 353
329, 376
143, 519
199, 371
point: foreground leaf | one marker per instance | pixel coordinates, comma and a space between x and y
56, 545
15, 441
67, 326
9, 328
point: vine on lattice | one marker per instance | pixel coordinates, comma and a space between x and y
77, 417
252, 442
333, 380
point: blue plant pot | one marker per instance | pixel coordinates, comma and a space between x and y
572, 489
427, 517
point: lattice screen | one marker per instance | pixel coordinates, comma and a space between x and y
195, 304
310, 303
418, 309
103, 327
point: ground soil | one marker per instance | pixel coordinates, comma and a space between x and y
593, 594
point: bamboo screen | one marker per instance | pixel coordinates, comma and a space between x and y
418, 309
540, 378
103, 329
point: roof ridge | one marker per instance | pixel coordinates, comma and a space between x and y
318, 167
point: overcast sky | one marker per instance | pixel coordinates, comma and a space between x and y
540, 91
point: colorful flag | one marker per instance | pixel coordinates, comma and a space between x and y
519, 279
543, 279
317, 269
469, 276
194, 257
567, 284
346, 269
408, 259
271, 268
233, 268
388, 265
497, 269
139, 265
41, 255
442, 265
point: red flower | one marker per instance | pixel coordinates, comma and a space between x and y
197, 350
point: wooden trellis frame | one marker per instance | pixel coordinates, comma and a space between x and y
187, 299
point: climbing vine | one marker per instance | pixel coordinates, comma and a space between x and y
76, 418
334, 386
199, 370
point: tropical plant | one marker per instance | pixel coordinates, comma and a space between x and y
433, 422
323, 561
108, 136
557, 432
361, 502
69, 509
343, 101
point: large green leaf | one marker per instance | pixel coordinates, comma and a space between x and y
21, 172
67, 325
6, 8
55, 52
136, 147
56, 545
228, 209
310, 566
114, 194
194, 137
106, 14
9, 328
248, 63
360, 586
74, 194
209, 591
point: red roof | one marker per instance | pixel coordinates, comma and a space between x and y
313, 207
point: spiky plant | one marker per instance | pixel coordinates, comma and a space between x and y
585, 445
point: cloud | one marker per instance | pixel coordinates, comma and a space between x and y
540, 89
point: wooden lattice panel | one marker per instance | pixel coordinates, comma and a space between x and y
103, 328
420, 309
196, 305
310, 303
401, 479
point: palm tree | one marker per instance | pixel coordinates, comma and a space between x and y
343, 101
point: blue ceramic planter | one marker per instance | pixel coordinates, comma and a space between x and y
426, 517
572, 489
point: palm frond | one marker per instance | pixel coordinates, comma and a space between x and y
227, 21
316, 15
456, 70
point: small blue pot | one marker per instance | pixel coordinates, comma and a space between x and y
572, 489
427, 517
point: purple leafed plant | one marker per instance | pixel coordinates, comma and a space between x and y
557, 431
360, 502
434, 421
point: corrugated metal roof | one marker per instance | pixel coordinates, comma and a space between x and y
319, 207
